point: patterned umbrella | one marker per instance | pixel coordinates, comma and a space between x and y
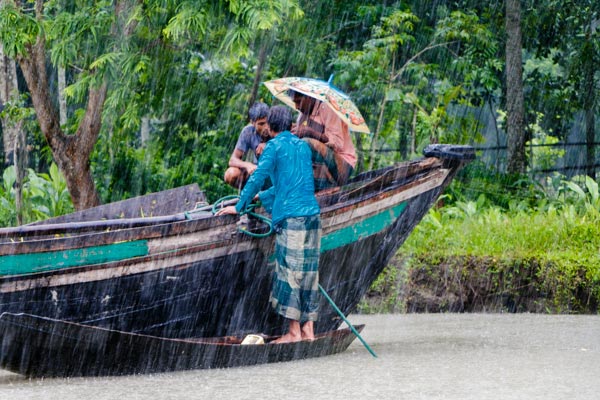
323, 91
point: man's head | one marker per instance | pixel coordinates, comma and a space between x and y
303, 103
280, 119
258, 118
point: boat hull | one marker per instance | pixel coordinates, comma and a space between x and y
202, 277
43, 347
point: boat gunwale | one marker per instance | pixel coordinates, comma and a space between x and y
51, 242
201, 341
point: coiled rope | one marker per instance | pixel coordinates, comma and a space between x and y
249, 210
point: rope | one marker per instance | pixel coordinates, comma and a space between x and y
249, 210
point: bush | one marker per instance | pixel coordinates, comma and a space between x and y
475, 256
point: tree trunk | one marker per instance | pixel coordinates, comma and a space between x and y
20, 160
413, 131
589, 104
262, 58
71, 152
62, 101
14, 138
514, 89
390, 83
145, 131
8, 88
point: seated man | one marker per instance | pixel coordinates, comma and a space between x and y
253, 137
333, 153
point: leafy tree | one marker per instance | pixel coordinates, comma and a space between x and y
413, 77
122, 61
565, 36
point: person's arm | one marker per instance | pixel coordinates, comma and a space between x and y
236, 161
334, 129
307, 131
266, 164
267, 198
259, 149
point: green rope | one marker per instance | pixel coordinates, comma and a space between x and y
249, 211
222, 200
341, 314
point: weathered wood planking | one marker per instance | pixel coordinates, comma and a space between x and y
167, 202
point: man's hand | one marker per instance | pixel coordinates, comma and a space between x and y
305, 131
259, 149
250, 168
229, 210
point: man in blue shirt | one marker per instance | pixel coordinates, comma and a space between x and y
252, 137
286, 160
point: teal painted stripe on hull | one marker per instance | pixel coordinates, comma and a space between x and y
38, 262
367, 227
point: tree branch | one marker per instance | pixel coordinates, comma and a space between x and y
413, 58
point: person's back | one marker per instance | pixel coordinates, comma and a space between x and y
289, 160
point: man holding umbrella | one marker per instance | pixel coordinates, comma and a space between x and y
334, 156
326, 116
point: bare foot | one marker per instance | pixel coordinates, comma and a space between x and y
308, 331
288, 338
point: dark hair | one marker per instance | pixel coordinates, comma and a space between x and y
280, 119
258, 111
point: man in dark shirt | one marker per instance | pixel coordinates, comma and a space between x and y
252, 137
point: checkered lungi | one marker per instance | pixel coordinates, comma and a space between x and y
329, 168
295, 290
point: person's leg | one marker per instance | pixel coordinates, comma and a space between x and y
235, 177
296, 279
329, 168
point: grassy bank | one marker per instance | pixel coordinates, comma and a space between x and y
469, 258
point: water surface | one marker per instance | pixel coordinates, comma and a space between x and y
421, 356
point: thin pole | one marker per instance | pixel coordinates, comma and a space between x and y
341, 314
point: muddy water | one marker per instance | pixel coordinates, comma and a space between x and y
421, 356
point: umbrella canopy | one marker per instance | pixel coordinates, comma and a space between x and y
323, 91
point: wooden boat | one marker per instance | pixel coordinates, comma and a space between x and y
44, 347
156, 265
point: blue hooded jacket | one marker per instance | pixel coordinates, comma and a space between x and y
286, 159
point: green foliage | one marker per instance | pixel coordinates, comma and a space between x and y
189, 22
18, 30
533, 248
8, 211
405, 65
418, 73
44, 196
48, 194
557, 240
541, 154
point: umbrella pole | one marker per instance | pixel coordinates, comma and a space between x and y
341, 314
